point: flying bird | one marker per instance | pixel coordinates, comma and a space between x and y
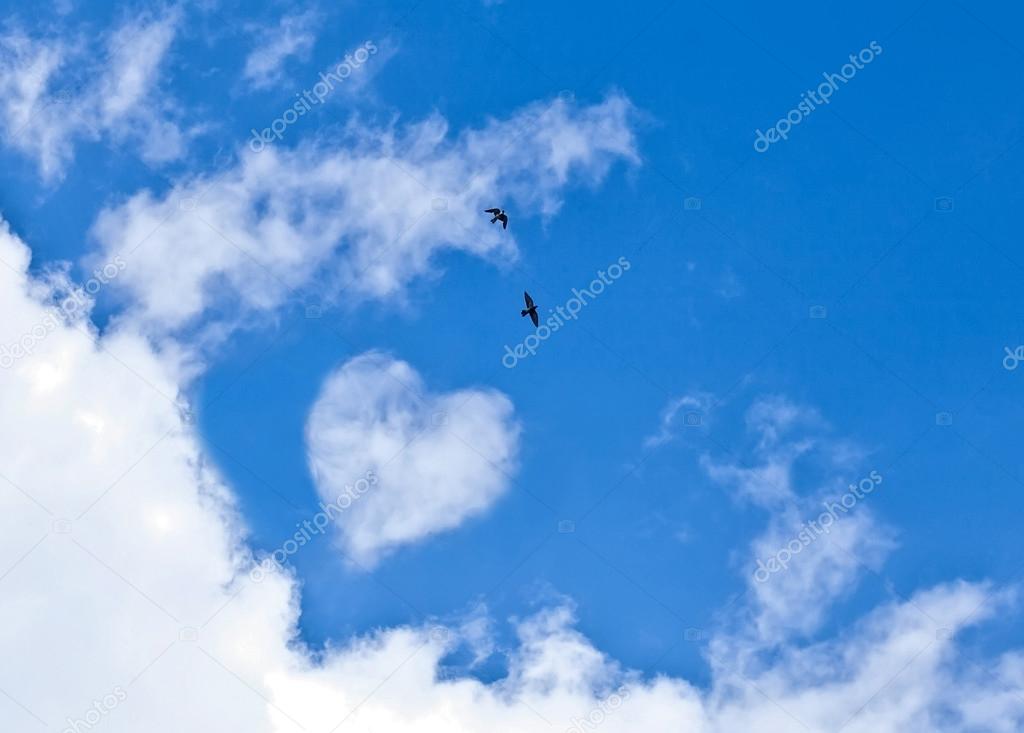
499, 215
531, 309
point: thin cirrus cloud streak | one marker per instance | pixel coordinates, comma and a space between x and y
365, 216
153, 558
440, 459
56, 93
292, 37
694, 408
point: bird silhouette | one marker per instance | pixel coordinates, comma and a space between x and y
531, 309
499, 215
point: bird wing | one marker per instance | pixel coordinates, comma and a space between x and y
529, 300
504, 221
493, 211
534, 318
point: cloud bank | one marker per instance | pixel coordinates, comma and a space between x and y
125, 592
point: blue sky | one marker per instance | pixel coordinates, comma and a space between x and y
857, 282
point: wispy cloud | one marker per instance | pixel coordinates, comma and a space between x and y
363, 214
293, 36
694, 408
57, 92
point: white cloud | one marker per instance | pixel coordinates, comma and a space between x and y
156, 557
767, 483
440, 459
775, 416
88, 610
822, 556
135, 52
894, 670
56, 92
292, 36
797, 599
363, 216
696, 404
767, 480
824, 560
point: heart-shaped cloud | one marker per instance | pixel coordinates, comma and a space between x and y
401, 464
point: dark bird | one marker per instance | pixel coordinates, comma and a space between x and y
499, 215
531, 309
